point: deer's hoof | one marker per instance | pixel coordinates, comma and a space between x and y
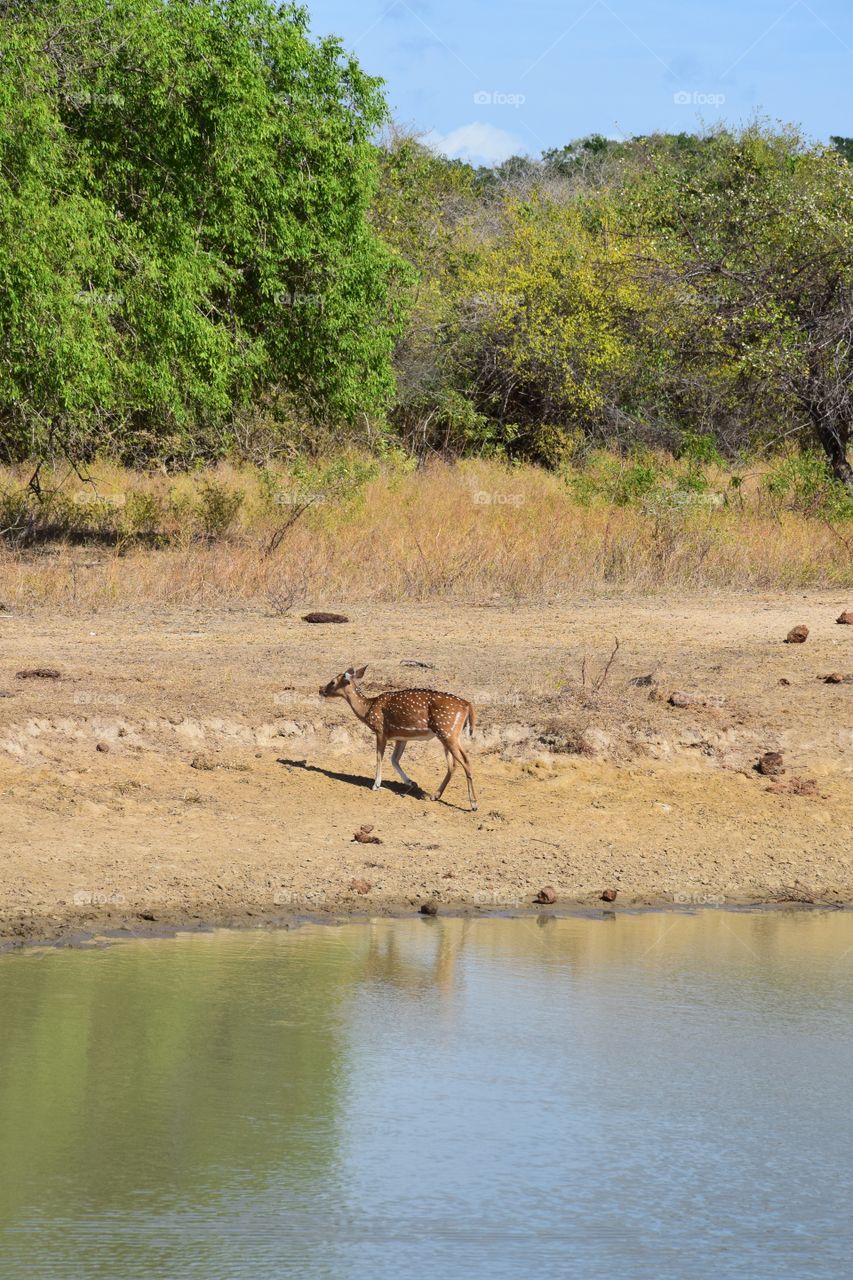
377, 786
474, 808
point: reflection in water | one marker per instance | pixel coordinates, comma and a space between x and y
642, 1096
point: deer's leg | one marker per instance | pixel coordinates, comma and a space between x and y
380, 752
451, 765
458, 755
396, 757
469, 777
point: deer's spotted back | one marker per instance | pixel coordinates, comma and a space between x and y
417, 711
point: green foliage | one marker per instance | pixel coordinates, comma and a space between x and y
699, 449
620, 482
844, 146
340, 480
684, 292
204, 251
533, 322
421, 200
143, 515
184, 189
217, 508
803, 482
754, 236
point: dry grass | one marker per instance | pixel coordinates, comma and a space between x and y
472, 531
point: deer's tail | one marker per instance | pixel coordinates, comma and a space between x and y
470, 721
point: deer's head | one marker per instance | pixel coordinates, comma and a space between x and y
337, 688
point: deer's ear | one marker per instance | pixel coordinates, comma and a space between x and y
359, 675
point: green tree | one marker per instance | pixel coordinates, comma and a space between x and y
754, 241
421, 202
184, 198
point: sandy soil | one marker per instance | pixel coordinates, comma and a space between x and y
183, 769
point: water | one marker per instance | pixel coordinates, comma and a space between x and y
656, 1096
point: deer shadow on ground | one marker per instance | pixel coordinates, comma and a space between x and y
358, 780
355, 779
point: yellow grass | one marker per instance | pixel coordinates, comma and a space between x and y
473, 531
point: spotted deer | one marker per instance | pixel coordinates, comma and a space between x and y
407, 714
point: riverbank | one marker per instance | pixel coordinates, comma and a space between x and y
181, 770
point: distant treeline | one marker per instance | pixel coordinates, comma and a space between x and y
204, 249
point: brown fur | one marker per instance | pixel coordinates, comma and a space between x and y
403, 715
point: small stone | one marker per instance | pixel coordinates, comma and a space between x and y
609, 895
428, 909
361, 886
797, 635
794, 787
202, 762
363, 835
784, 680
771, 764
547, 895
38, 673
837, 677
147, 915
325, 617
680, 699
102, 746
846, 618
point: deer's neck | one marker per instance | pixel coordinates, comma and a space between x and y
358, 702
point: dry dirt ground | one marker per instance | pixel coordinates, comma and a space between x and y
183, 769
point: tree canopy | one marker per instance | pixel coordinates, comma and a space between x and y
202, 226
184, 189
641, 292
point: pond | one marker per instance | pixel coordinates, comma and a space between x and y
649, 1095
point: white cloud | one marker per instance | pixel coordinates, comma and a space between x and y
476, 143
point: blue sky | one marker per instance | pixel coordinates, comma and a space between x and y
486, 80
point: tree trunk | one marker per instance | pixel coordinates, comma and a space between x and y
835, 440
